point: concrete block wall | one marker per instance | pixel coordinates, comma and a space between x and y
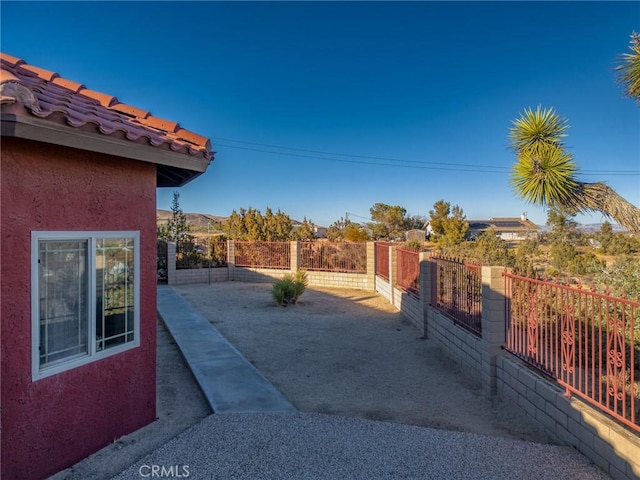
383, 288
456, 342
199, 275
569, 420
357, 281
411, 307
258, 275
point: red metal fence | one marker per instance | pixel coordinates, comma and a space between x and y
382, 260
458, 292
263, 254
588, 342
333, 257
408, 270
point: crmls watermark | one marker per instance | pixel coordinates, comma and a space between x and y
162, 471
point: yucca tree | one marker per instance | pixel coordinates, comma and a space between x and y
629, 70
545, 173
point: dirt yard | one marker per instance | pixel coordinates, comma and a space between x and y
349, 352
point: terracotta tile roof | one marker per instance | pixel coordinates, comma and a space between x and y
29, 90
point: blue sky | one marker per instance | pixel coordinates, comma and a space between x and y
319, 109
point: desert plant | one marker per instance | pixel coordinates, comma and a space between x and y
289, 288
414, 245
545, 173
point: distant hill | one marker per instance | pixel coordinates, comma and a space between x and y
199, 221
596, 227
590, 228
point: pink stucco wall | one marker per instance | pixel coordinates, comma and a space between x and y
54, 422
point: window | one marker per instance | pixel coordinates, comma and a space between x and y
85, 298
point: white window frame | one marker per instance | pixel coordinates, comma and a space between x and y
93, 354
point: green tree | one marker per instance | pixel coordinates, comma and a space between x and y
177, 225
251, 225
562, 254
177, 230
344, 230
441, 211
629, 69
489, 249
355, 233
455, 228
415, 222
563, 226
388, 221
305, 232
622, 276
545, 173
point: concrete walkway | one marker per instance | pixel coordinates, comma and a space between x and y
229, 382
261, 436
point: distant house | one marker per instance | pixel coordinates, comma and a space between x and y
78, 258
508, 229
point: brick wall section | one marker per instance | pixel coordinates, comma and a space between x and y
456, 342
383, 288
569, 420
411, 307
200, 275
258, 275
358, 281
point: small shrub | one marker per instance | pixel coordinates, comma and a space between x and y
414, 245
289, 288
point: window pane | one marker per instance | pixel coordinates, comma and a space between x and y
114, 292
62, 272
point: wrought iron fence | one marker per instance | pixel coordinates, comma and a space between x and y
458, 292
382, 259
333, 256
588, 342
161, 268
408, 270
263, 254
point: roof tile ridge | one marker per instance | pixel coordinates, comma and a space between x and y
103, 99
130, 110
194, 138
74, 87
159, 123
41, 73
11, 60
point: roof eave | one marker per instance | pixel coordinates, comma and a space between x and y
174, 169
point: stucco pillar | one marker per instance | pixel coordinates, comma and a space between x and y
392, 272
171, 263
493, 324
231, 258
371, 265
425, 289
295, 256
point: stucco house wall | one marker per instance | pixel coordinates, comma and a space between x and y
79, 171
56, 421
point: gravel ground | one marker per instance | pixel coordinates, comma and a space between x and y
311, 446
350, 353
